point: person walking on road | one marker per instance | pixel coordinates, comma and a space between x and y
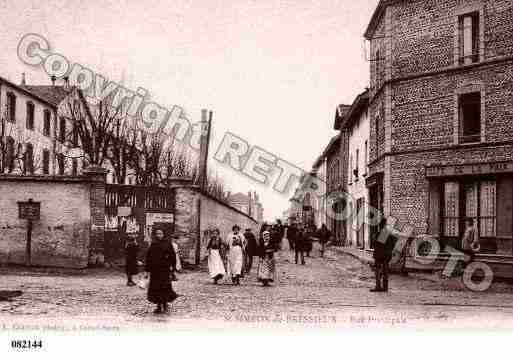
291, 235
160, 262
383, 243
267, 264
300, 245
235, 256
215, 263
324, 236
131, 249
251, 249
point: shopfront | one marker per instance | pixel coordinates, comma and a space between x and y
482, 192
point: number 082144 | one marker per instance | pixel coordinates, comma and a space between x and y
26, 344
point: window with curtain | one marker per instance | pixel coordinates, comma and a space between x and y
451, 212
487, 215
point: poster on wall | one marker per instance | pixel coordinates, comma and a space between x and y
167, 220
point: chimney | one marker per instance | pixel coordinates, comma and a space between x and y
53, 78
23, 82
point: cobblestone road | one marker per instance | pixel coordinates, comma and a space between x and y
327, 292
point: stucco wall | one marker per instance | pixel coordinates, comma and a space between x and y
61, 237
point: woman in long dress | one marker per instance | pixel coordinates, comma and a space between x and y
267, 265
160, 261
215, 262
235, 255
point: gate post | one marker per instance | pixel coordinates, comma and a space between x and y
96, 177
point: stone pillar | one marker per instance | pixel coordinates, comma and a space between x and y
186, 220
97, 180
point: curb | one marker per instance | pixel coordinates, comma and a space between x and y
361, 258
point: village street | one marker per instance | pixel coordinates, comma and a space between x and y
326, 293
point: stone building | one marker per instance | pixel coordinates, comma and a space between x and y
249, 204
441, 117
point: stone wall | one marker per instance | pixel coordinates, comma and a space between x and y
213, 213
61, 237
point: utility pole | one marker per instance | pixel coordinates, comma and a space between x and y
206, 124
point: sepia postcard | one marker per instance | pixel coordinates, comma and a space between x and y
258, 168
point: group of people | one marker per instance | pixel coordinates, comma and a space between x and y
233, 256
301, 237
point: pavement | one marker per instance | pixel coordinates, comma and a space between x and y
329, 292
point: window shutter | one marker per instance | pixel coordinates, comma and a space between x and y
434, 208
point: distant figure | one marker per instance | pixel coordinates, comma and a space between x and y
160, 262
131, 249
277, 233
235, 243
308, 240
215, 263
300, 245
383, 248
291, 235
267, 264
324, 237
251, 249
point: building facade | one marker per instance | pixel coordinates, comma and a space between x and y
441, 114
356, 125
249, 204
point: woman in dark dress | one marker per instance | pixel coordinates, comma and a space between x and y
131, 259
160, 262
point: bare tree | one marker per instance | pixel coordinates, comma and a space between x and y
93, 126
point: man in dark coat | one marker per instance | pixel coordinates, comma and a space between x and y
300, 245
160, 262
324, 236
131, 250
383, 243
291, 235
251, 248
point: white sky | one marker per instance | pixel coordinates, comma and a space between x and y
272, 71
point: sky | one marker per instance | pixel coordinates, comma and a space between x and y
272, 71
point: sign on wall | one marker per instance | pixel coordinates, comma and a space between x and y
470, 169
29, 210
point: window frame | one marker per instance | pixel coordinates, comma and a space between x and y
472, 138
462, 206
30, 115
11, 106
47, 123
46, 161
459, 14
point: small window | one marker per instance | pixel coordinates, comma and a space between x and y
366, 154
74, 167
60, 163
470, 117
11, 107
469, 38
28, 159
62, 129
30, 116
11, 154
356, 165
377, 61
46, 162
74, 135
46, 123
